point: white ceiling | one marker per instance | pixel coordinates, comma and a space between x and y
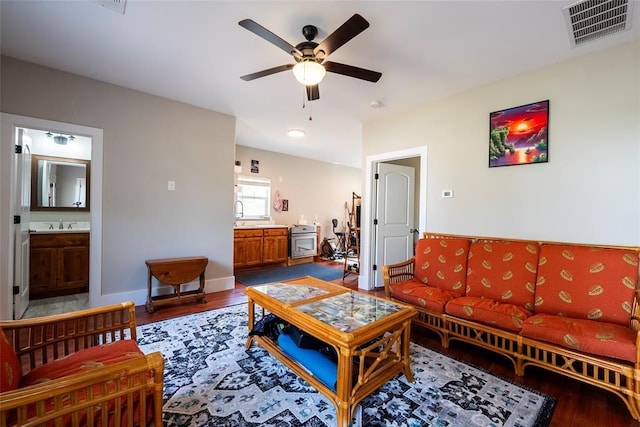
195, 52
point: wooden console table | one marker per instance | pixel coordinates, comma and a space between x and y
176, 272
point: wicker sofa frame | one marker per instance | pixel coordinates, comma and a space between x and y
616, 376
87, 398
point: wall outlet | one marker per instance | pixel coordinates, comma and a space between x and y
447, 194
171, 186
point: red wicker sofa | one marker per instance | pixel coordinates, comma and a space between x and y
78, 369
568, 308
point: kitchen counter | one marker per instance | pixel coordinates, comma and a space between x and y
258, 226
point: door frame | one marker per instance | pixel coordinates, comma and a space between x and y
8, 208
368, 248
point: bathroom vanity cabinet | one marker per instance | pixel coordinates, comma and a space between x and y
59, 264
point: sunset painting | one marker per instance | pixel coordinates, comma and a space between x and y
519, 135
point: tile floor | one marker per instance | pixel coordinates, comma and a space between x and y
56, 305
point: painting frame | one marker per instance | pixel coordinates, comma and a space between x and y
519, 135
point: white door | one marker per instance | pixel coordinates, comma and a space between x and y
394, 207
23, 205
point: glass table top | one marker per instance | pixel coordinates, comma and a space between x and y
349, 311
289, 293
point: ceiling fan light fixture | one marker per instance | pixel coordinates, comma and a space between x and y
309, 73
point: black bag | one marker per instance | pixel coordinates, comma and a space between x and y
303, 339
270, 326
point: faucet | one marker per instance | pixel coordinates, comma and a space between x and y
237, 214
61, 225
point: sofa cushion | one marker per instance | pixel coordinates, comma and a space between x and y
588, 336
83, 360
418, 294
489, 312
442, 263
503, 271
587, 283
9, 365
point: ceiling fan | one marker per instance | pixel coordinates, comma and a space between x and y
310, 56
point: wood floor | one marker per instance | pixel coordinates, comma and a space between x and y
578, 404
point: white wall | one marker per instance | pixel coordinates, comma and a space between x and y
147, 142
312, 187
588, 192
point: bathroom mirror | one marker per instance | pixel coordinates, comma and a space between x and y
59, 183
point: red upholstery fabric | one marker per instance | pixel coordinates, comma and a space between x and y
588, 336
503, 271
442, 263
586, 283
9, 365
84, 360
417, 293
489, 312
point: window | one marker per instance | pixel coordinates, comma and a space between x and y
255, 194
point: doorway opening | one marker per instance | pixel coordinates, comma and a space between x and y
80, 217
416, 158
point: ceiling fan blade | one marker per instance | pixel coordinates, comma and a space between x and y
351, 28
261, 31
351, 71
313, 92
266, 72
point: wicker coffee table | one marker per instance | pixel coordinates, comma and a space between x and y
370, 335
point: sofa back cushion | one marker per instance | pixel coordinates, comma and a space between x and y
442, 263
9, 365
503, 271
587, 283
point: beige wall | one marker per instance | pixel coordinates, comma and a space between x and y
588, 192
312, 187
147, 141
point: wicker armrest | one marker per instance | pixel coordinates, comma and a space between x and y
394, 273
129, 389
40, 340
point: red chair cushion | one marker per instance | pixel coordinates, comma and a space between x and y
587, 283
84, 360
503, 271
588, 336
442, 263
417, 293
489, 312
9, 365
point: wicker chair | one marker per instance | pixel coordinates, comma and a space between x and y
80, 368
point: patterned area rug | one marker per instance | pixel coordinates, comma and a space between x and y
211, 380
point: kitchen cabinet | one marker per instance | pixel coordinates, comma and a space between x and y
58, 264
247, 248
255, 247
276, 245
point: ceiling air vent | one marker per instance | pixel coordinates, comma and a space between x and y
115, 5
593, 19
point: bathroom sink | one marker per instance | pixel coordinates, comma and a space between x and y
66, 230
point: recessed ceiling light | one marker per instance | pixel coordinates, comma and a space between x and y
295, 133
